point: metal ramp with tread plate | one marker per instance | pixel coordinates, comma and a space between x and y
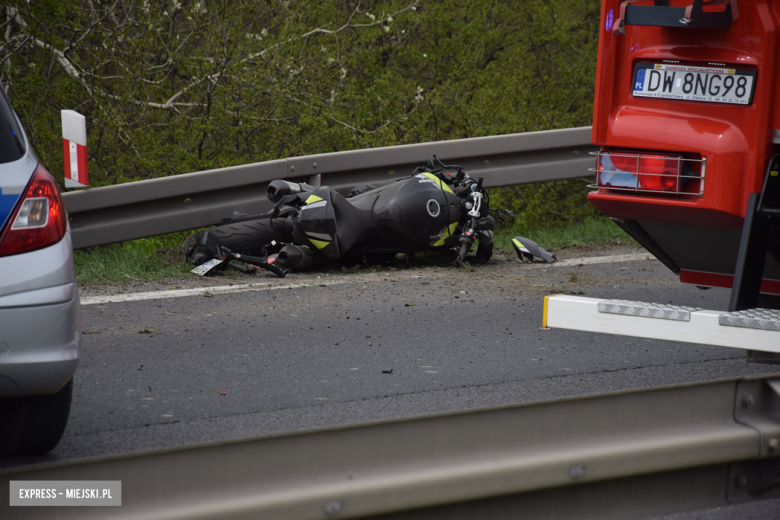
753, 329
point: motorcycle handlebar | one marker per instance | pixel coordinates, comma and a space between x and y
278, 189
454, 166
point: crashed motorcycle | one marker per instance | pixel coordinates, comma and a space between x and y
438, 207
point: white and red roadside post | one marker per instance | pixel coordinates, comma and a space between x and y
74, 144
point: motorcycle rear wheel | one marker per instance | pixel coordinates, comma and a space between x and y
247, 238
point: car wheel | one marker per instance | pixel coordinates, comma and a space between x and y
34, 424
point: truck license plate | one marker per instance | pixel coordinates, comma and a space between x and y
686, 82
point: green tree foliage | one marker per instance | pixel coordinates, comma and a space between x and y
176, 86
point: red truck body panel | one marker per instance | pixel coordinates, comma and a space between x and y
699, 228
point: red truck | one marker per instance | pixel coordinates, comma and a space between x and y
687, 119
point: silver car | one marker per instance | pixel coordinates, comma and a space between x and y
40, 317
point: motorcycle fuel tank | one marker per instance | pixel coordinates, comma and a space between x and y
421, 211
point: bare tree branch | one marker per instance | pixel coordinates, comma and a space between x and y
318, 30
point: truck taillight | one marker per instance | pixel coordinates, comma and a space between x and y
39, 219
650, 172
639, 171
659, 173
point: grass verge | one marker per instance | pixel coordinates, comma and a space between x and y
158, 258
145, 259
598, 230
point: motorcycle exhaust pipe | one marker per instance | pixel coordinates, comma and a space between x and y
299, 258
279, 188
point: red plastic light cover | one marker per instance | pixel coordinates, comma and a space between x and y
658, 173
31, 231
655, 172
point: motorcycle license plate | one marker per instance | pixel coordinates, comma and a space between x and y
713, 84
208, 266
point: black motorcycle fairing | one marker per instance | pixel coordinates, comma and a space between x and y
413, 214
354, 222
416, 213
359, 190
316, 222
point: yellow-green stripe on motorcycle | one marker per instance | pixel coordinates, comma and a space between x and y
319, 244
437, 181
447, 232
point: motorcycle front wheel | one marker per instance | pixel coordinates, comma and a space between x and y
248, 238
484, 251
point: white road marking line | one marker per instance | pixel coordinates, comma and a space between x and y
230, 289
598, 260
200, 291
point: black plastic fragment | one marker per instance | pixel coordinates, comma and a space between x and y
206, 249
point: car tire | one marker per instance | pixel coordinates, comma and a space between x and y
247, 238
34, 424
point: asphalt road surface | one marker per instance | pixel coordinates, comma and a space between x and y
363, 346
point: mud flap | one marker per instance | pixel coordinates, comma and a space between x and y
758, 231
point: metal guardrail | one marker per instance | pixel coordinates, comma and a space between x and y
608, 456
147, 208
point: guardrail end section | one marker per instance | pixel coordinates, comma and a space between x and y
757, 405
